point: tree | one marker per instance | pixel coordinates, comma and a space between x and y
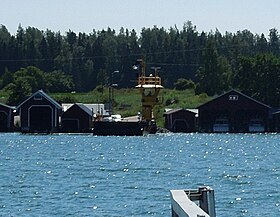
274, 42
33, 76
267, 69
89, 76
4, 49
225, 74
102, 77
7, 78
207, 74
262, 45
18, 91
58, 82
259, 77
44, 55
30, 79
183, 84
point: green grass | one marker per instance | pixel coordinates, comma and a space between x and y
183, 99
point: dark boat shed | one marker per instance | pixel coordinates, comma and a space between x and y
237, 108
180, 120
39, 114
6, 118
77, 118
276, 121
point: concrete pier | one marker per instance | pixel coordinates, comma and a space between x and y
193, 203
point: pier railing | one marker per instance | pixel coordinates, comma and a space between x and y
193, 203
154, 80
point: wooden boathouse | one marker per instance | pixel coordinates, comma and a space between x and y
6, 118
180, 120
77, 119
235, 111
39, 114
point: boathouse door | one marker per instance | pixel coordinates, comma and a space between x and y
70, 125
180, 125
3, 121
40, 119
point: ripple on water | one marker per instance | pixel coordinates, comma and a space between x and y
60, 175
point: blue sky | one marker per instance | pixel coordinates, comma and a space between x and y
86, 15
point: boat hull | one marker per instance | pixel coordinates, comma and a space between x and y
118, 128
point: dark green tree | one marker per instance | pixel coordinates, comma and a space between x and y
208, 76
259, 77
58, 82
274, 42
262, 45
18, 91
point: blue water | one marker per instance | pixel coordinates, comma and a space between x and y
83, 175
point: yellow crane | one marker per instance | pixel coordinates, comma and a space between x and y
149, 87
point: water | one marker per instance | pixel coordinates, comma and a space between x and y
83, 175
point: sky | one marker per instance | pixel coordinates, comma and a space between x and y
257, 16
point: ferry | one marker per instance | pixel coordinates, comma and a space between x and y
144, 123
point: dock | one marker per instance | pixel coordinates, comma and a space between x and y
193, 203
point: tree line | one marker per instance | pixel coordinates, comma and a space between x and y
211, 62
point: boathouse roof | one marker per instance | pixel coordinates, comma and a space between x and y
171, 111
84, 108
7, 106
41, 93
93, 108
233, 93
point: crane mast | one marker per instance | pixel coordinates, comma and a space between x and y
149, 87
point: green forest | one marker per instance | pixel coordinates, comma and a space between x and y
210, 63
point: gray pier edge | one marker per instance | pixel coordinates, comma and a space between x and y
193, 203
